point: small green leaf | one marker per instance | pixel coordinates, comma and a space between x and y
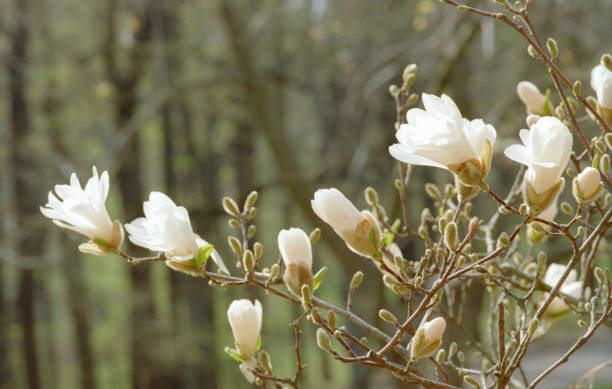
372, 236
203, 254
233, 354
396, 225
318, 278
258, 344
547, 110
595, 163
102, 243
388, 238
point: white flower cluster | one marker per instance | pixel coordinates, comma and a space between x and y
437, 136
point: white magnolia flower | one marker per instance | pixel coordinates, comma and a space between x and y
546, 150
296, 252
245, 319
166, 228
294, 246
601, 82
534, 100
83, 210
428, 338
346, 220
571, 287
587, 185
439, 136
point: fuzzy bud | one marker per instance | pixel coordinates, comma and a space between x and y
323, 340
587, 185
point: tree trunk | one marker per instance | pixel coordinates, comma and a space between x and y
29, 242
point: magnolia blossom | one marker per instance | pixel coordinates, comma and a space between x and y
587, 185
439, 136
83, 210
546, 150
571, 287
601, 82
245, 319
296, 252
346, 220
428, 338
166, 228
534, 100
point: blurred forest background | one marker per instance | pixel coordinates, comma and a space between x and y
205, 98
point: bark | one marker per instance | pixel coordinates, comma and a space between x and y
126, 81
22, 163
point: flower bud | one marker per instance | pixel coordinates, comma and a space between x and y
387, 316
264, 361
427, 338
534, 100
356, 280
323, 340
587, 185
450, 236
245, 319
296, 253
230, 207
359, 230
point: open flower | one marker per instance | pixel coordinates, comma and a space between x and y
166, 228
427, 338
586, 186
601, 82
83, 210
571, 287
546, 150
296, 251
346, 220
439, 136
534, 100
245, 319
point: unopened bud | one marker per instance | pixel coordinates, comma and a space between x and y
250, 200
371, 195
306, 294
533, 326
230, 206
450, 236
251, 231
552, 47
356, 280
331, 319
387, 316
503, 241
323, 340
235, 245
441, 355
264, 361
606, 60
471, 381
249, 261
433, 191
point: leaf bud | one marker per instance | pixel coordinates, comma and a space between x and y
230, 207
250, 200
387, 316
356, 280
323, 340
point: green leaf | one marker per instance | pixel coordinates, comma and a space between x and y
203, 254
595, 162
258, 344
547, 111
388, 238
102, 243
234, 354
372, 236
396, 225
318, 278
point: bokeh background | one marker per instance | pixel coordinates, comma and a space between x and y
205, 98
